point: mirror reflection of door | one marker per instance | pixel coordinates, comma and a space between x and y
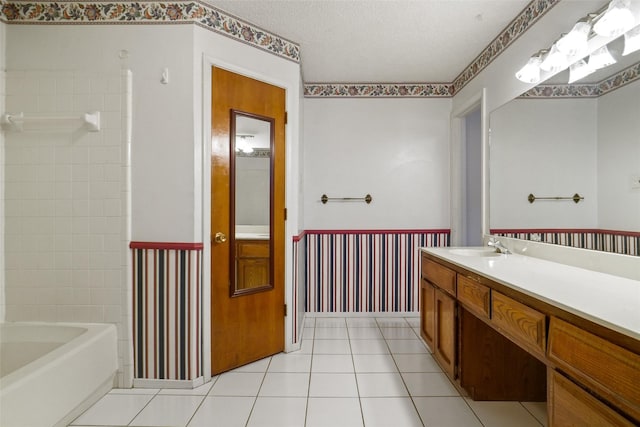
251, 201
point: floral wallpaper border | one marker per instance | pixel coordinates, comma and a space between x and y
137, 12
594, 90
534, 11
377, 90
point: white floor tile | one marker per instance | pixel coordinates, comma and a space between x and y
309, 322
134, 391
407, 346
278, 412
414, 322
374, 363
168, 411
331, 347
308, 333
290, 362
222, 411
114, 409
446, 412
429, 384
333, 412
333, 385
330, 322
538, 410
365, 333
285, 384
361, 322
398, 333
331, 333
416, 363
306, 347
393, 411
237, 384
381, 385
369, 347
257, 366
198, 391
503, 414
392, 322
332, 363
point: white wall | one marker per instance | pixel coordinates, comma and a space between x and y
548, 148
619, 159
3, 38
397, 150
252, 190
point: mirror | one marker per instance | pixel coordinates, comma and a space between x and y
552, 146
251, 202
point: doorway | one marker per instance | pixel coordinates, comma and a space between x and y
247, 219
471, 232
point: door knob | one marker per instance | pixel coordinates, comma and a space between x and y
220, 237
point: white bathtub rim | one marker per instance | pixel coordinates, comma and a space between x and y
15, 378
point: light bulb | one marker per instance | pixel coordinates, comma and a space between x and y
616, 20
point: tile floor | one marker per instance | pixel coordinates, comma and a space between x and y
373, 372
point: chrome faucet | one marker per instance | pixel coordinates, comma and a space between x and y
498, 245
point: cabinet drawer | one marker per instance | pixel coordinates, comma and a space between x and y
439, 275
521, 323
473, 295
609, 370
569, 405
252, 248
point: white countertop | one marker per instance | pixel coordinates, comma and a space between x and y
605, 299
252, 236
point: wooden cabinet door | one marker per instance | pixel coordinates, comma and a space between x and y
445, 333
427, 313
570, 405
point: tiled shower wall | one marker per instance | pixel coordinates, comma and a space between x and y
67, 203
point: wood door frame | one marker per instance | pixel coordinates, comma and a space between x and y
291, 198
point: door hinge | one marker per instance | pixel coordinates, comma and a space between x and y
285, 310
286, 118
285, 214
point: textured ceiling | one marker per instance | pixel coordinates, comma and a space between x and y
376, 41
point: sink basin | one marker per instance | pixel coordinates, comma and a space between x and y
478, 252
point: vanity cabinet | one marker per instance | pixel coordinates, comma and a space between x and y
438, 318
497, 343
252, 263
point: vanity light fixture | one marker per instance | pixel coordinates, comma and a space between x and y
631, 41
601, 58
555, 60
575, 42
530, 73
611, 21
616, 20
579, 70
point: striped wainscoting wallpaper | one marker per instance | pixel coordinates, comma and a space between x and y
366, 271
621, 242
167, 310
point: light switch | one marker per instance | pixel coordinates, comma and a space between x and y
165, 77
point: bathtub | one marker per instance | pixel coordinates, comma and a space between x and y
52, 372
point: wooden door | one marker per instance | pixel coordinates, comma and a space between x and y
445, 335
245, 326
